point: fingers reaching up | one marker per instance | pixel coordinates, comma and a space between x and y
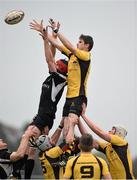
37, 26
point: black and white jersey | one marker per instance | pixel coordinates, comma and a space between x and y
51, 92
52, 89
6, 166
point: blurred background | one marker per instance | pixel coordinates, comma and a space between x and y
112, 85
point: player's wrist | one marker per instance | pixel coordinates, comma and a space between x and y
60, 127
26, 136
56, 30
43, 30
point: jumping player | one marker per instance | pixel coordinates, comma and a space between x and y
78, 72
52, 87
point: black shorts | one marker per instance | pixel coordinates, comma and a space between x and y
74, 105
41, 121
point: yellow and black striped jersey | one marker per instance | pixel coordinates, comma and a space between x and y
78, 72
49, 157
86, 166
119, 157
50, 160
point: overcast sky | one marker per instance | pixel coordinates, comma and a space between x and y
112, 85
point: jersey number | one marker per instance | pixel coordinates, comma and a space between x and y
43, 168
86, 171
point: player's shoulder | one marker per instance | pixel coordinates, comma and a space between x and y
57, 76
101, 159
72, 159
117, 140
83, 55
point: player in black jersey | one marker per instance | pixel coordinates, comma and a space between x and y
52, 87
12, 162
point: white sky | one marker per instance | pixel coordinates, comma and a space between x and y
112, 85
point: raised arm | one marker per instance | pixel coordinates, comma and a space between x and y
52, 47
48, 53
81, 127
55, 42
55, 26
23, 145
48, 48
66, 43
55, 137
93, 126
96, 129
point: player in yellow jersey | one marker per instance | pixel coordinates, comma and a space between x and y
86, 165
78, 72
51, 92
116, 149
53, 159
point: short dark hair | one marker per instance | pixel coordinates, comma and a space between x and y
87, 40
86, 142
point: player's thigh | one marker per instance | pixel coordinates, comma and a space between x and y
76, 106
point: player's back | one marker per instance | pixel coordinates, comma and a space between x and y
85, 166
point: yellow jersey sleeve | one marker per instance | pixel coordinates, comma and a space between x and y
102, 144
80, 54
54, 152
83, 55
116, 140
65, 51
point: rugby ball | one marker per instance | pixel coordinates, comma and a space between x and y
14, 17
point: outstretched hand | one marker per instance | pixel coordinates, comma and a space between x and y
36, 26
44, 33
54, 25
